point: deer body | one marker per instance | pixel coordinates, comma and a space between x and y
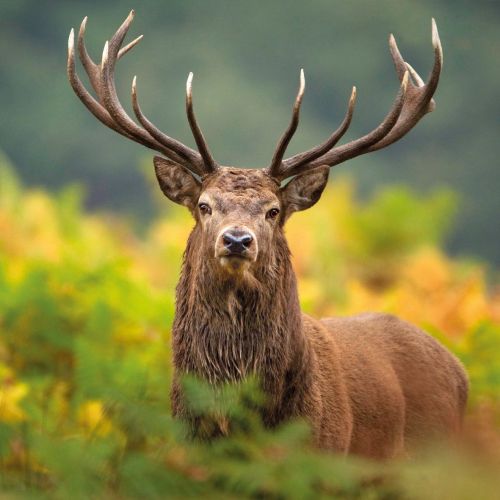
370, 384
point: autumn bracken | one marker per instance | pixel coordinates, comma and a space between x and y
85, 311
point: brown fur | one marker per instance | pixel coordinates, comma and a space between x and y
369, 384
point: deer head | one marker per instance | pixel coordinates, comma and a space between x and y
240, 212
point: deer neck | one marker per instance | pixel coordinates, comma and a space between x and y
226, 329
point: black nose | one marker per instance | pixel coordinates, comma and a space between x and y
237, 241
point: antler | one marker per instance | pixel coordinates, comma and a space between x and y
108, 109
413, 101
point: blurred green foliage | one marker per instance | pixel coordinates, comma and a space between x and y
85, 310
246, 60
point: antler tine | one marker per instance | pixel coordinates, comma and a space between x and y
415, 76
397, 58
295, 163
210, 163
158, 134
275, 169
87, 99
436, 69
419, 100
91, 68
188, 156
129, 46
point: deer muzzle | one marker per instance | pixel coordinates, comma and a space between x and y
236, 247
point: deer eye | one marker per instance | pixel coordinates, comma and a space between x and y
273, 213
205, 209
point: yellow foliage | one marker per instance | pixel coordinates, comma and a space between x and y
428, 271
86, 304
11, 395
92, 417
430, 290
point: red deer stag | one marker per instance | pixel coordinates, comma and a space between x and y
370, 384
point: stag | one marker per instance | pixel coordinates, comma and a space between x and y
369, 384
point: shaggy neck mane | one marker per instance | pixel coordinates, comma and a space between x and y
226, 327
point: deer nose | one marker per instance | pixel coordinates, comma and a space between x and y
237, 241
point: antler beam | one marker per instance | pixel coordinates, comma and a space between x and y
107, 108
413, 101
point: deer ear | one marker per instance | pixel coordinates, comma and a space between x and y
304, 190
176, 182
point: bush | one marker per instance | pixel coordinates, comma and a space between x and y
85, 311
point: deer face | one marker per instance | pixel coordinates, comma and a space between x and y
239, 211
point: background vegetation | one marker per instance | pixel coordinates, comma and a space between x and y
90, 253
246, 58
85, 314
